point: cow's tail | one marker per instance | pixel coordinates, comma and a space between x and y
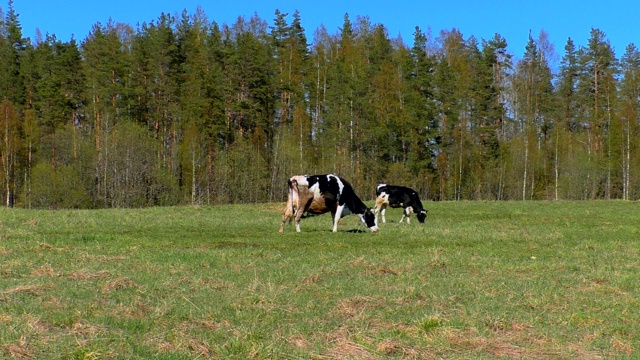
293, 186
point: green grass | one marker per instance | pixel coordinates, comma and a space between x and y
478, 280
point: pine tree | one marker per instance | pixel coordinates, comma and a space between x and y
598, 92
567, 83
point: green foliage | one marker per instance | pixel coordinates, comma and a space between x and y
57, 188
183, 110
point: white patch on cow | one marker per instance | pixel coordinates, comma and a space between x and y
379, 186
337, 217
340, 184
316, 190
300, 179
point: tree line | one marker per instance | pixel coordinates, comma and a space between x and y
183, 110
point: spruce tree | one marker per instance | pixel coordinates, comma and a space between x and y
423, 124
12, 48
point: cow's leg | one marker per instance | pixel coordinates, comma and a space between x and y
284, 221
292, 206
298, 216
336, 217
407, 212
377, 207
381, 207
287, 215
304, 202
404, 213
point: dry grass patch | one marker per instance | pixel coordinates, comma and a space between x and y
213, 325
389, 347
199, 349
179, 341
136, 310
514, 345
346, 349
621, 347
44, 270
51, 302
311, 279
497, 346
84, 275
118, 284
104, 258
299, 341
348, 342
355, 307
26, 289
45, 246
371, 268
214, 284
84, 333
17, 351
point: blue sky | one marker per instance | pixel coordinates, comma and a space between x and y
513, 19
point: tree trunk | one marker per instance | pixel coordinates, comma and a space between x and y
524, 172
555, 166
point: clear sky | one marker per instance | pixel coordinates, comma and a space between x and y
512, 19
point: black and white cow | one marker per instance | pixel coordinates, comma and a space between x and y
399, 196
319, 194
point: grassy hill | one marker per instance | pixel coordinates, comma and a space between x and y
478, 280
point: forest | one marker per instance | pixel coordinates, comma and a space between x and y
183, 110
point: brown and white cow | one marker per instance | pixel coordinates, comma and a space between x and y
319, 194
399, 196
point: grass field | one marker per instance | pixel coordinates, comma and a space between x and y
479, 280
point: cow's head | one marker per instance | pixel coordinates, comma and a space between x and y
422, 215
369, 219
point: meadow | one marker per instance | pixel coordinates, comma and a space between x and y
478, 280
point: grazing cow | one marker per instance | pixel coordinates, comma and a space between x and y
399, 196
319, 194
